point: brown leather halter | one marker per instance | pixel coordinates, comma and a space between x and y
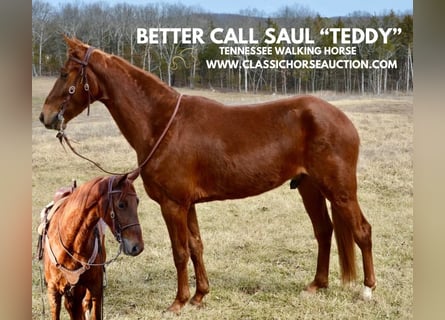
118, 229
82, 76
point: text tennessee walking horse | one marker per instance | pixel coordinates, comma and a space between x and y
74, 250
201, 150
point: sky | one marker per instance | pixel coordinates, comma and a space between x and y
326, 8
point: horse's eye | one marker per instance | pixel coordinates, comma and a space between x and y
63, 74
122, 205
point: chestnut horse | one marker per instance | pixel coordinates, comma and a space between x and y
74, 250
192, 149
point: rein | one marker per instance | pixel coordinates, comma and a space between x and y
73, 275
63, 137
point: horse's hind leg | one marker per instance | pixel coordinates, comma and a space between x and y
350, 226
87, 304
196, 251
315, 205
349, 215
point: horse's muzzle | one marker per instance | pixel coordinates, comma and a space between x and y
52, 122
132, 249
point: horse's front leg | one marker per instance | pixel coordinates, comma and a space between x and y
95, 294
55, 302
196, 251
74, 302
175, 217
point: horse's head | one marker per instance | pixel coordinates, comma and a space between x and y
123, 217
74, 89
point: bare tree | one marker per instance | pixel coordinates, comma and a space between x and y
41, 17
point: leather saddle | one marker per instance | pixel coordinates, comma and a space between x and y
47, 212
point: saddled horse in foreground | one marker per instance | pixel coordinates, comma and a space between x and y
191, 149
73, 248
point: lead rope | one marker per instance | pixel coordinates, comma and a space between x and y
42, 291
63, 137
103, 286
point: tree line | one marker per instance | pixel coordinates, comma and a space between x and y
113, 29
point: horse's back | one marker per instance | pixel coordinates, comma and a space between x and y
285, 125
290, 113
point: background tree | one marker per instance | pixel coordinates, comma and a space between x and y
42, 18
112, 28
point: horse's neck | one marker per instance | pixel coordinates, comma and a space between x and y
75, 230
139, 103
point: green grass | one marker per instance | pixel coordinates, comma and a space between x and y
260, 252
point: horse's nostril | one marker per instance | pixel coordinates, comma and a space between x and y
136, 250
41, 117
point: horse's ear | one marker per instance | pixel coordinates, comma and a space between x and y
67, 39
75, 46
72, 43
133, 175
119, 180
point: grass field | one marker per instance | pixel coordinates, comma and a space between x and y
260, 252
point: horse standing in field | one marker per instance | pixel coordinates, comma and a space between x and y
191, 149
73, 242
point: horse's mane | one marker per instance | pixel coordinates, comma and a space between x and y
85, 196
138, 73
88, 194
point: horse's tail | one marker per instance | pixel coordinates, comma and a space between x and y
346, 248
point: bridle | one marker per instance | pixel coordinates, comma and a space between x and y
72, 89
117, 228
73, 275
82, 76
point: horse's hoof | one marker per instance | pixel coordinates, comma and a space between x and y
304, 294
313, 287
310, 290
197, 303
367, 293
174, 308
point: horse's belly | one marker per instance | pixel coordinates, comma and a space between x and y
245, 183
